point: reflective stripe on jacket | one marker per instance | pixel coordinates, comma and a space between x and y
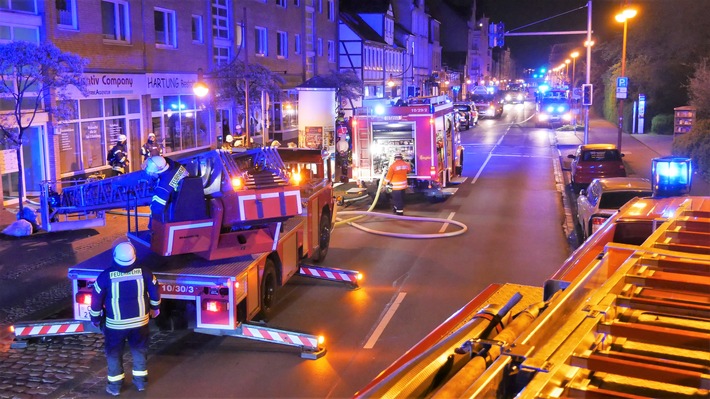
397, 174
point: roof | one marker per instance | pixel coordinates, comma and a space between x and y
365, 7
360, 27
625, 184
317, 82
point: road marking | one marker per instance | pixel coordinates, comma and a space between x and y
385, 320
445, 225
480, 170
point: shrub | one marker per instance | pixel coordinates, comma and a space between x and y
662, 124
696, 145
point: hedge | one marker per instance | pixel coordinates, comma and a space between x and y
696, 145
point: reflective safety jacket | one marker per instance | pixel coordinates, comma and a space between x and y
150, 149
397, 174
125, 295
168, 183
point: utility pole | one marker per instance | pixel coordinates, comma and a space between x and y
589, 67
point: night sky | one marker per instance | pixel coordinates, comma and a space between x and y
553, 16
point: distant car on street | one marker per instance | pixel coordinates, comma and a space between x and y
514, 97
593, 161
488, 105
603, 197
552, 111
466, 114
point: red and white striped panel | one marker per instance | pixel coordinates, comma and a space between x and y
49, 329
282, 337
329, 274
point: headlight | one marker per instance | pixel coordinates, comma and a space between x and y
550, 109
508, 97
542, 117
561, 108
567, 117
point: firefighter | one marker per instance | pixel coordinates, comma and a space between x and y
227, 144
169, 174
118, 156
151, 148
240, 137
397, 178
123, 299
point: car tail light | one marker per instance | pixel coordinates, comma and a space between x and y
432, 171
83, 298
214, 306
597, 222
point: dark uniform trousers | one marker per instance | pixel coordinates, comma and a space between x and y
115, 346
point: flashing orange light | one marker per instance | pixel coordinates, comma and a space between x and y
236, 285
431, 121
359, 277
321, 340
354, 122
237, 183
12, 329
296, 178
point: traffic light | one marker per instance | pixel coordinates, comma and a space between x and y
587, 91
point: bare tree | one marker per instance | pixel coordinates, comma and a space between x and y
30, 74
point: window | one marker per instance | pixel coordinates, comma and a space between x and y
197, 35
164, 27
239, 39
114, 20
219, 19
66, 13
281, 44
221, 55
10, 33
331, 51
320, 47
297, 43
320, 6
18, 5
331, 10
296, 3
281, 3
260, 42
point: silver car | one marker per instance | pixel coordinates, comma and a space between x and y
604, 197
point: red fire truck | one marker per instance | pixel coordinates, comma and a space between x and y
422, 131
238, 228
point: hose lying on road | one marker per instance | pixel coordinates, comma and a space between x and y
370, 213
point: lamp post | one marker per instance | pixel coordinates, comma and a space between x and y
574, 56
623, 17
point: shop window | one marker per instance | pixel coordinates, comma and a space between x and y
94, 148
134, 106
115, 20
114, 106
69, 147
156, 104
90, 109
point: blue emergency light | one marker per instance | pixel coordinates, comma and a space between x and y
671, 176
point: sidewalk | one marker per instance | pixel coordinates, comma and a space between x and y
648, 146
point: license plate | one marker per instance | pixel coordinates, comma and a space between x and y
84, 312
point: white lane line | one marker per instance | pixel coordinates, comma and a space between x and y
445, 225
480, 170
385, 320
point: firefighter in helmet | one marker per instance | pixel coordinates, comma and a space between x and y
169, 174
118, 156
228, 143
151, 147
397, 178
123, 299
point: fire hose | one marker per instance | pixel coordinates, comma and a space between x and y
371, 213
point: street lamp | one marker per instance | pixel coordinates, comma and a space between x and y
200, 88
623, 17
574, 56
567, 62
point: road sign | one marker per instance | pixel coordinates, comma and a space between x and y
622, 82
621, 92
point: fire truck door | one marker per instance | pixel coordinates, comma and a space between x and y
363, 158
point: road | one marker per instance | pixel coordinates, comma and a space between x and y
512, 207
512, 204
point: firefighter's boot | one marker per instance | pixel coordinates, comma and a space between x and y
140, 384
113, 389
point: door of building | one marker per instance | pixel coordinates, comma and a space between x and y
135, 143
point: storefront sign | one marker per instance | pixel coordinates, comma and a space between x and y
169, 83
314, 137
107, 84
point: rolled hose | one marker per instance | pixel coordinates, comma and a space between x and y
371, 213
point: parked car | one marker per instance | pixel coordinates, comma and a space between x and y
466, 114
603, 197
488, 105
593, 161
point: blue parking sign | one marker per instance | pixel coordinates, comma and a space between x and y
622, 82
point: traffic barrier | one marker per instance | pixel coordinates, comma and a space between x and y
332, 274
310, 344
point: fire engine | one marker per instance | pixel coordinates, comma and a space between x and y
238, 228
626, 316
422, 131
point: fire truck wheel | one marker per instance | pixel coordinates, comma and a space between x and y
323, 237
268, 290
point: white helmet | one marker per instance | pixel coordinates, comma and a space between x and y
275, 143
121, 138
155, 165
151, 135
229, 138
124, 254
238, 127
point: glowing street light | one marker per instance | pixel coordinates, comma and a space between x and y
200, 88
574, 56
623, 17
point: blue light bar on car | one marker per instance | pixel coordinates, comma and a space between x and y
671, 176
